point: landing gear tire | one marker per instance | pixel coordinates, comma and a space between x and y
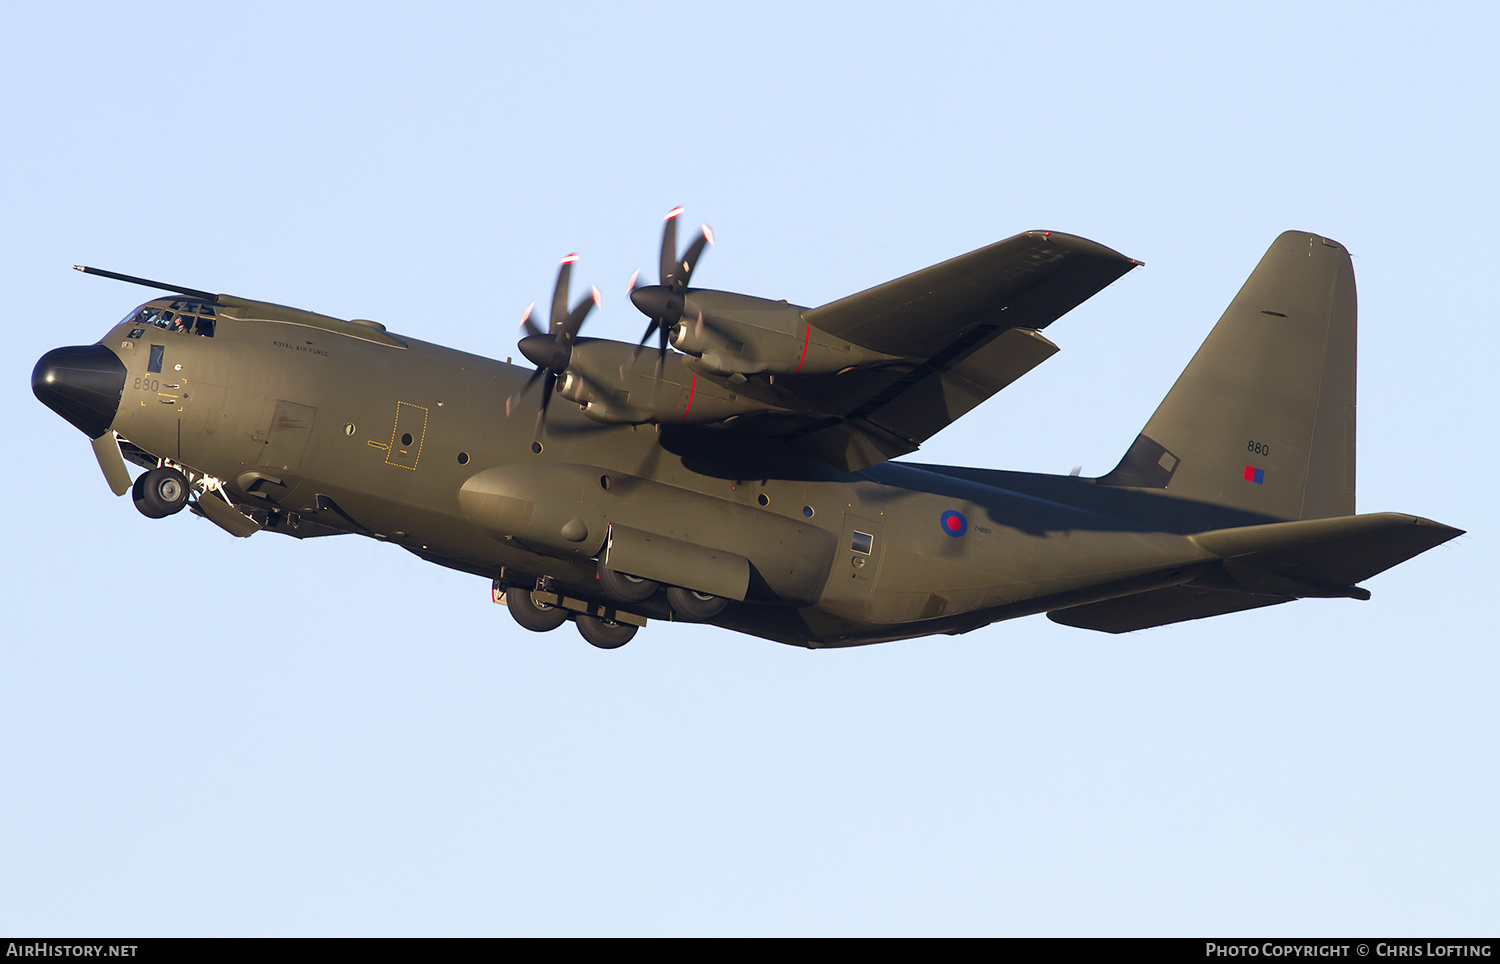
160, 492
693, 606
605, 633
625, 588
532, 615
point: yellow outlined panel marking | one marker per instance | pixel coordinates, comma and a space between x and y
410, 420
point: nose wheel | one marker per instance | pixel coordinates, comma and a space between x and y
161, 492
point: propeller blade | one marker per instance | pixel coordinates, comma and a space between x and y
548, 384
527, 323
560, 295
669, 244
580, 312
107, 452
510, 403
690, 259
652, 326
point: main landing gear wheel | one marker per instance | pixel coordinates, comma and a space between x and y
625, 588
532, 615
694, 606
161, 492
604, 633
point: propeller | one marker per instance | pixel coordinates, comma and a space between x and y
552, 350
663, 303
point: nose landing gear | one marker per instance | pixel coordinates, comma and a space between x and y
161, 492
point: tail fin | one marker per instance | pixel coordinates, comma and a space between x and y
1262, 419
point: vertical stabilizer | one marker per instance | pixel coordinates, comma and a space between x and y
1262, 419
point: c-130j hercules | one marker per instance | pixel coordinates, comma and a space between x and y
743, 479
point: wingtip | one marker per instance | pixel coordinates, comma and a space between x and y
1084, 246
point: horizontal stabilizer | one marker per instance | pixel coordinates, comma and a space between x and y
1332, 552
1270, 564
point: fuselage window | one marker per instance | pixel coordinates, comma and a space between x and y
862, 542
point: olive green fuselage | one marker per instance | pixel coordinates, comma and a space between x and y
412, 445
747, 481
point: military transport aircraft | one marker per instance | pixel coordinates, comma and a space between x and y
736, 472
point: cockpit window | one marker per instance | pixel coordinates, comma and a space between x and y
187, 315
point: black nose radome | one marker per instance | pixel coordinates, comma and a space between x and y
83, 384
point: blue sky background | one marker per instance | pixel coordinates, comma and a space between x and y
202, 735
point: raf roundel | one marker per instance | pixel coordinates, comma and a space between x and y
954, 523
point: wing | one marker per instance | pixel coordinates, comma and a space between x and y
965, 329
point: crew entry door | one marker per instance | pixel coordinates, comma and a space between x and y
856, 565
407, 436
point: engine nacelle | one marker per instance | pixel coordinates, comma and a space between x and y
738, 334
616, 383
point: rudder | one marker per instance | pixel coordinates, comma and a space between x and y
1262, 419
